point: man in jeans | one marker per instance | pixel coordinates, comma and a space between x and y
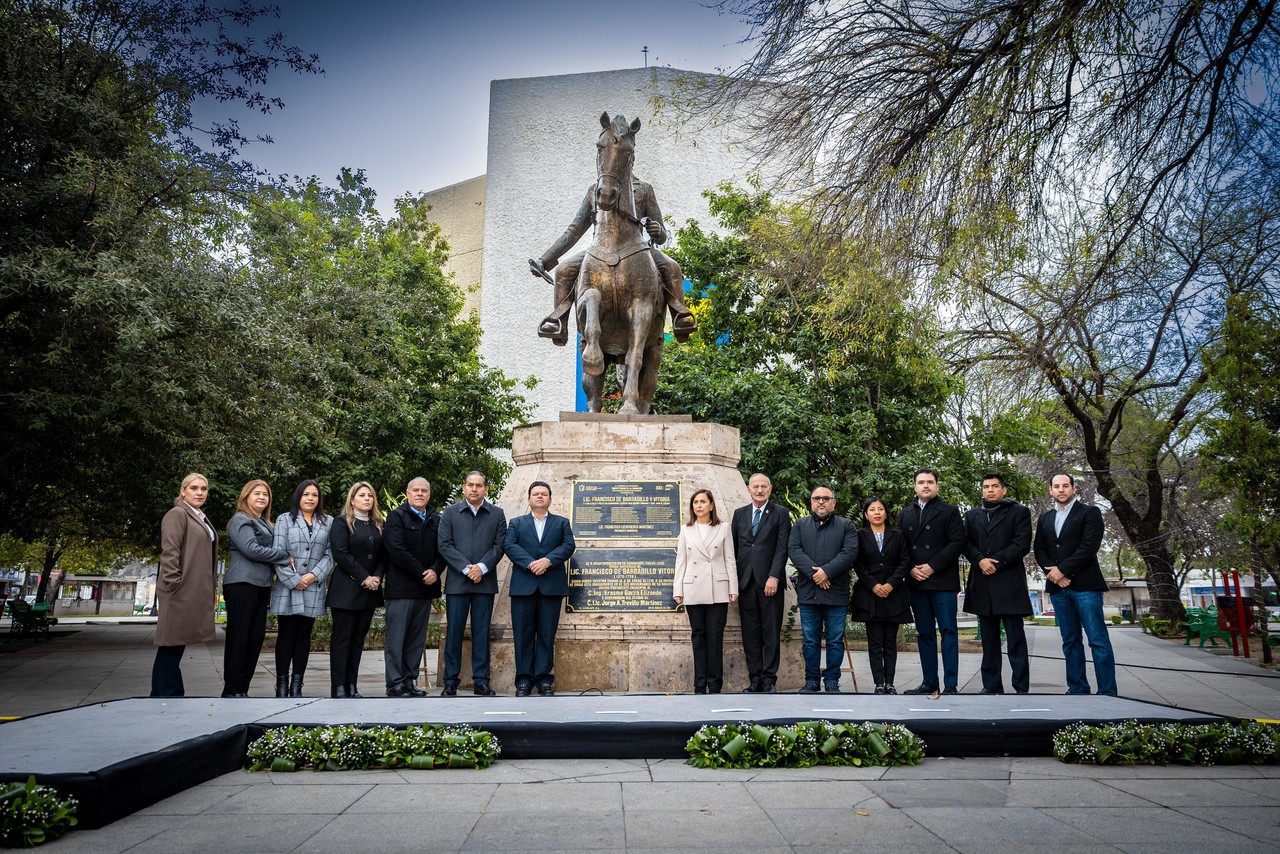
822, 547
1067, 541
934, 533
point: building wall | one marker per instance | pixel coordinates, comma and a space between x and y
459, 211
541, 159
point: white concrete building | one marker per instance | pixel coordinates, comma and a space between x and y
541, 159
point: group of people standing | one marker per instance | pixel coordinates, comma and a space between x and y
307, 561
886, 576
882, 575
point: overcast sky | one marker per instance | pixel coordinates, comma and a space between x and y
405, 93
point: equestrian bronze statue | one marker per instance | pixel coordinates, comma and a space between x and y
622, 284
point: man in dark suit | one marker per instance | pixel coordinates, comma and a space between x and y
823, 547
471, 536
539, 545
413, 583
1067, 541
934, 533
997, 538
761, 531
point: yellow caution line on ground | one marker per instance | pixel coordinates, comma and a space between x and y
10, 717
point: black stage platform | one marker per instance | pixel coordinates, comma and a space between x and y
119, 757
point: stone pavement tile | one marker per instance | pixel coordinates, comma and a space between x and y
326, 800
1043, 768
218, 834
241, 778
676, 770
1069, 792
533, 797
682, 797
693, 830
547, 830
418, 799
115, 837
902, 794
820, 773
1197, 793
193, 801
1266, 786
432, 830
1003, 829
953, 768
1157, 827
592, 770
846, 830
1262, 824
831, 794
675, 845
374, 777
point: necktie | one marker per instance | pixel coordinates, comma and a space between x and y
755, 521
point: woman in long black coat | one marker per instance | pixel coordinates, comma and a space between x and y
355, 589
880, 597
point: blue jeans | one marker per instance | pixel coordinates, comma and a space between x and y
936, 612
1082, 609
814, 621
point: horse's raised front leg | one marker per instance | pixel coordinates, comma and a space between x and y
589, 323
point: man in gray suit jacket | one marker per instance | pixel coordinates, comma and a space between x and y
761, 532
471, 536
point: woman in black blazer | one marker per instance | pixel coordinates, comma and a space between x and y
880, 597
355, 586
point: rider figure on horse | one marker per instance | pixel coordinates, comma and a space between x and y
556, 325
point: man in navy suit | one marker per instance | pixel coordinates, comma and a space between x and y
761, 532
1067, 541
539, 545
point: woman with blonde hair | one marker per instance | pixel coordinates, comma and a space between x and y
706, 582
247, 585
185, 584
298, 595
356, 589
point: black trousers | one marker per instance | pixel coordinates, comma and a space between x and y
761, 630
246, 627
407, 621
706, 625
457, 607
347, 644
992, 660
882, 649
166, 672
293, 643
534, 620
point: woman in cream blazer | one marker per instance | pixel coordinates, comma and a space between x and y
706, 582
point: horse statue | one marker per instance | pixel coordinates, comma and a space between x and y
619, 294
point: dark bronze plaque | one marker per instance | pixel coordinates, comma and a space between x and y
626, 510
621, 580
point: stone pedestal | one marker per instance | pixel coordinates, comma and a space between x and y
626, 651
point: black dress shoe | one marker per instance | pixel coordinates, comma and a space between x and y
397, 691
768, 688
353, 693
922, 689
482, 689
546, 690
449, 691
809, 688
756, 687
414, 691
339, 692
700, 689
832, 688
991, 691
889, 689
879, 690
522, 690
951, 689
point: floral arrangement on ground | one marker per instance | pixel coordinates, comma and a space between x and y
803, 745
31, 814
352, 748
1132, 743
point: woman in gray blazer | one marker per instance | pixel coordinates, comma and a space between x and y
298, 595
247, 587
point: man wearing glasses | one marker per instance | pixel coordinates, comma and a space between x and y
823, 547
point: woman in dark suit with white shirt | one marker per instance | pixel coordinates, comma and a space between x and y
880, 597
355, 590
706, 581
247, 586
298, 595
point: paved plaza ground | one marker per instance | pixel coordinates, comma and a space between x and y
945, 804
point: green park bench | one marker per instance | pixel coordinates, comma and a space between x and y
1203, 623
27, 619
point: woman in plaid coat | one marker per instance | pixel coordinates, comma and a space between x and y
298, 594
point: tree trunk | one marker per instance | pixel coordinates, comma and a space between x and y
1259, 597
51, 555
